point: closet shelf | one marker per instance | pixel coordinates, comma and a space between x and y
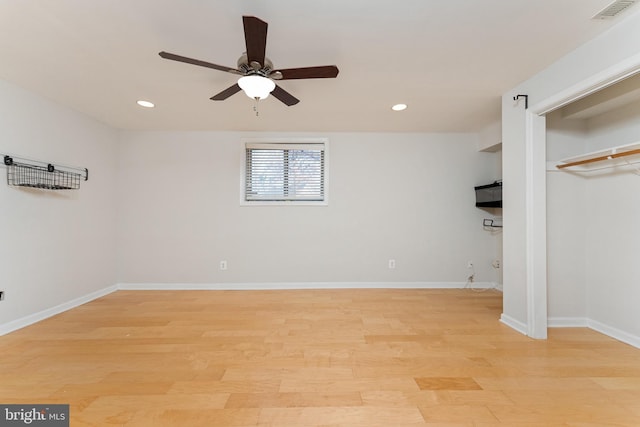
623, 155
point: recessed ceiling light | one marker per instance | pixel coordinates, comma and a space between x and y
399, 107
146, 104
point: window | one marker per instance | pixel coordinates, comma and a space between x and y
285, 172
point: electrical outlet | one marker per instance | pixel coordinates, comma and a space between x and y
392, 264
496, 263
223, 265
469, 264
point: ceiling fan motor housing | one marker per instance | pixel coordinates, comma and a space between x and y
255, 68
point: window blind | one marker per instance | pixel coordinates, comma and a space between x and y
285, 172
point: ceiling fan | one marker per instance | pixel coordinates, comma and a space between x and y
257, 70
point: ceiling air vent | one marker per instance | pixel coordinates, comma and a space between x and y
614, 9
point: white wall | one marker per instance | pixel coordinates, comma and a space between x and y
593, 247
490, 140
407, 197
163, 207
615, 49
618, 127
567, 221
612, 268
57, 245
490, 137
514, 305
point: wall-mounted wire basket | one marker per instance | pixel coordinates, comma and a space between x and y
47, 177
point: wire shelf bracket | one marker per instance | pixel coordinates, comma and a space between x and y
491, 223
46, 176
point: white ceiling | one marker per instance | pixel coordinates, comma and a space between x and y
449, 60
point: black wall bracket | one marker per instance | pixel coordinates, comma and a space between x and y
526, 100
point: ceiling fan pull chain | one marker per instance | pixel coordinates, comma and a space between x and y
255, 107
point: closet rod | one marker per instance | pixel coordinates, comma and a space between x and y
599, 158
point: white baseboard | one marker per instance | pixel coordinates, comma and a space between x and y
568, 322
300, 285
615, 333
584, 322
14, 325
514, 324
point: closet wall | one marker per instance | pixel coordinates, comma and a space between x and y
613, 246
593, 244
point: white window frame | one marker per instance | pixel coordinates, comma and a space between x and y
283, 141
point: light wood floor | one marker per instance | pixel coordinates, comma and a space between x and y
316, 358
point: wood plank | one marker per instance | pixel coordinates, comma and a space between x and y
447, 383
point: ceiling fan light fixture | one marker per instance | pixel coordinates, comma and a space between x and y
256, 87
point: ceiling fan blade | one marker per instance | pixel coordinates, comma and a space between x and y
284, 96
322, 72
174, 57
255, 36
226, 93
